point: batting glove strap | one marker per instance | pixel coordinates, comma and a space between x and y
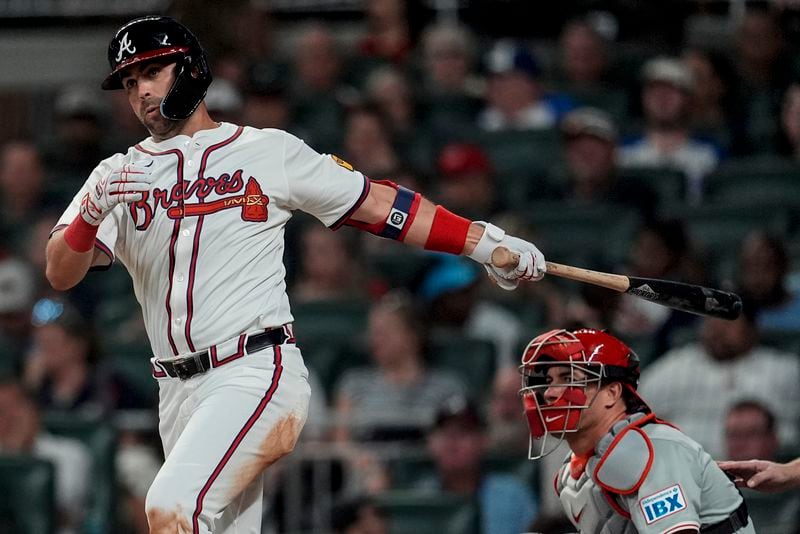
492, 237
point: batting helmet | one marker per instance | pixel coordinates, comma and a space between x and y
587, 357
153, 37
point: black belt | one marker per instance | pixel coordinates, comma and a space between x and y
200, 362
733, 523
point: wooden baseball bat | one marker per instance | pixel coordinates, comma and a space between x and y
685, 297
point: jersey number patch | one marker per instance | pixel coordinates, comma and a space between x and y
662, 504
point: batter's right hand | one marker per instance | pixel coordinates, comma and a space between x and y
123, 185
530, 266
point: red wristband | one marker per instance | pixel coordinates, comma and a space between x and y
79, 235
448, 232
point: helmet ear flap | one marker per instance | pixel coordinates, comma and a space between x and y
192, 78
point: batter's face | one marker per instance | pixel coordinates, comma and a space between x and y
146, 84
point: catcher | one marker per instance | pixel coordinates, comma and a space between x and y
628, 471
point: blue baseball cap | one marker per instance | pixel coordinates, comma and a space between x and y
451, 274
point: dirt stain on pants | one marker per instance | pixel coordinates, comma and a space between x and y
168, 521
277, 444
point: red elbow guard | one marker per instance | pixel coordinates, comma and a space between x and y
448, 232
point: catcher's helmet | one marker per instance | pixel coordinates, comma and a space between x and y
588, 357
153, 37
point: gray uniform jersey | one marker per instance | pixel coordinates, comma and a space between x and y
668, 486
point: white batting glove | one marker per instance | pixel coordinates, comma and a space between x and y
123, 185
531, 266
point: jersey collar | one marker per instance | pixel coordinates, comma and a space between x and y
182, 142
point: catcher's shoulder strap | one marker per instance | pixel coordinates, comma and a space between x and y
624, 456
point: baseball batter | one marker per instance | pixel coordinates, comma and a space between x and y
629, 472
196, 213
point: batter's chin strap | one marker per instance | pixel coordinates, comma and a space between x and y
401, 215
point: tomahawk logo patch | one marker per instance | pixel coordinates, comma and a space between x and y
663, 504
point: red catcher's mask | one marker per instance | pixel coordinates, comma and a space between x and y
561, 415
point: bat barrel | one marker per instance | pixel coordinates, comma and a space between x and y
686, 297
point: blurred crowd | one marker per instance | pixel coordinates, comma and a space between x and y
678, 161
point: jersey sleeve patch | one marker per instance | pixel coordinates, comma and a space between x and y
342, 163
626, 463
662, 504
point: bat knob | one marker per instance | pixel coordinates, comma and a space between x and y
502, 258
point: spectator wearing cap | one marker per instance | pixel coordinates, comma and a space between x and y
450, 290
515, 97
694, 385
466, 180
590, 153
458, 442
667, 140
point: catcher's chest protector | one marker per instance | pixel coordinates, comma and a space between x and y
590, 502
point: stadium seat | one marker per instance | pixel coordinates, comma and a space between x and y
762, 181
426, 513
27, 502
719, 229
611, 100
330, 361
406, 472
101, 440
329, 318
785, 340
583, 234
668, 184
521, 160
329, 333
131, 363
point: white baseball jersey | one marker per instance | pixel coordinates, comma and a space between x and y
670, 485
205, 247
